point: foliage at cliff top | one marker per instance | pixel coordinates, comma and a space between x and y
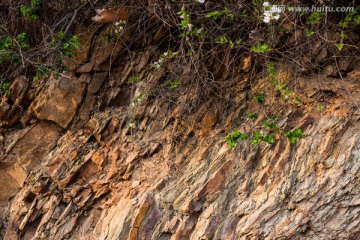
36, 36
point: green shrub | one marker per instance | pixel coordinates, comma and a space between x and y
251, 115
294, 135
260, 48
10, 47
257, 137
173, 84
68, 44
232, 138
134, 79
259, 99
29, 12
5, 88
114, 32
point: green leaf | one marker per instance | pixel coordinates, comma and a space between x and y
257, 137
260, 48
339, 46
309, 33
293, 135
214, 15
232, 138
314, 18
270, 124
357, 19
259, 98
270, 139
252, 115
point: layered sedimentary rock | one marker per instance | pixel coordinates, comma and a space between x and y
98, 157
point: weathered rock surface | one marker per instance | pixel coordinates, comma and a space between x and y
59, 100
124, 168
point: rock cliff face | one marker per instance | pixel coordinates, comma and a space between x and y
99, 157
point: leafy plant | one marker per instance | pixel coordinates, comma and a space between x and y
5, 88
259, 99
297, 101
163, 58
114, 32
9, 46
228, 13
270, 124
217, 14
275, 116
5, 42
260, 48
232, 138
21, 41
286, 93
222, 40
352, 16
173, 84
321, 107
29, 12
185, 23
214, 15
68, 44
132, 125
137, 100
314, 18
294, 135
340, 45
309, 33
134, 79
42, 70
257, 137
270, 139
252, 115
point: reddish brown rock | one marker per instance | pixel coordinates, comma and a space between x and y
60, 100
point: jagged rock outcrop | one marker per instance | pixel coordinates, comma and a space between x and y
98, 157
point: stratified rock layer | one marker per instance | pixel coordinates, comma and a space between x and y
94, 162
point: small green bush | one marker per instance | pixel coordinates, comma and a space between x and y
294, 135
5, 88
232, 138
29, 12
10, 47
68, 44
259, 99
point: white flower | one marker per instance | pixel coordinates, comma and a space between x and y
200, 1
275, 9
199, 31
266, 19
182, 16
190, 26
121, 28
165, 54
187, 39
277, 17
266, 4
